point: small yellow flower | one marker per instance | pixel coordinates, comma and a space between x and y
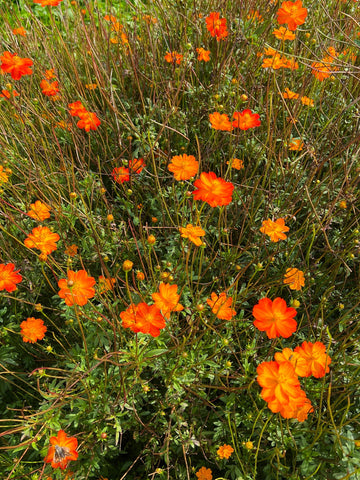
127, 265
249, 445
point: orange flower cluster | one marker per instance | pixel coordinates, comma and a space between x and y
15, 65
283, 33
221, 306
276, 60
183, 166
280, 382
213, 190
118, 30
77, 288
243, 120
88, 120
143, 318
19, 31
122, 174
167, 299
274, 317
173, 57
292, 13
275, 230
43, 239
9, 277
106, 284
216, 26
325, 68
33, 329
62, 450
6, 94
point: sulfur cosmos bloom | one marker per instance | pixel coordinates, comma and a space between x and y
216, 26
213, 190
322, 70
143, 318
15, 65
77, 288
49, 89
192, 233
246, 119
8, 94
183, 166
225, 451
204, 474
173, 57
294, 278
275, 230
3, 175
136, 165
290, 95
236, 164
296, 144
76, 108
33, 329
283, 33
106, 284
220, 121
300, 364
203, 55
221, 306
274, 317
292, 13
9, 277
88, 121
50, 3
62, 450
39, 211
43, 239
121, 174
167, 299
19, 31
316, 358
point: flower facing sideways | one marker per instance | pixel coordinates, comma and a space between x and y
221, 306
183, 166
8, 94
33, 329
167, 299
246, 119
8, 277
192, 233
15, 65
39, 211
43, 239
275, 230
292, 13
274, 317
216, 26
225, 451
136, 165
77, 288
203, 55
213, 190
62, 450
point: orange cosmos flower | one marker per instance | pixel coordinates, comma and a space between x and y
71, 250
49, 74
316, 358
246, 119
294, 278
283, 33
33, 329
289, 94
143, 318
121, 174
296, 144
39, 211
173, 57
204, 474
274, 317
287, 355
292, 13
275, 230
281, 386
213, 190
192, 233
203, 55
167, 300
19, 31
220, 121
301, 412
77, 288
50, 3
221, 306
8, 95
76, 109
216, 26
322, 70
49, 89
3, 175
275, 62
43, 239
307, 101
136, 165
88, 121
106, 284
62, 450
8, 277
236, 163
183, 166
225, 451
16, 66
